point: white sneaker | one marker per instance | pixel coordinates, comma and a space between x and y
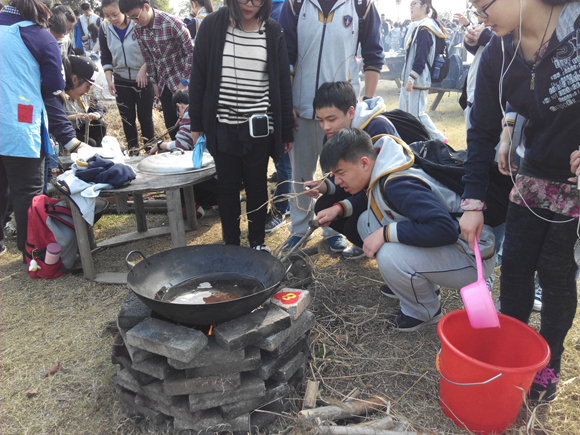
262, 248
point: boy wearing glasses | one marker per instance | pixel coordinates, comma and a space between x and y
167, 49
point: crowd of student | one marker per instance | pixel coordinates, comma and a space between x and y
287, 88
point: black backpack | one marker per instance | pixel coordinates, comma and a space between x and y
445, 165
410, 129
441, 63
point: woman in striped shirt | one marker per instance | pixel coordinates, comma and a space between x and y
240, 68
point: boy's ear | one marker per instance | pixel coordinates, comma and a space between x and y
350, 112
365, 162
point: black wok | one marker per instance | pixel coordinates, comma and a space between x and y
170, 268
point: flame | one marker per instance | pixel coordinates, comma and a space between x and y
210, 329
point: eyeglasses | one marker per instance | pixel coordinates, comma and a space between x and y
481, 12
413, 4
256, 3
139, 14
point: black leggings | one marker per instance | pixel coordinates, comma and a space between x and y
23, 179
131, 104
532, 244
252, 169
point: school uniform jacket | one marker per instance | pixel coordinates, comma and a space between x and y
324, 49
421, 53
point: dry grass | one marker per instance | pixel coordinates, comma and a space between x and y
64, 320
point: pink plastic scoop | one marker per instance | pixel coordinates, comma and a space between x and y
477, 298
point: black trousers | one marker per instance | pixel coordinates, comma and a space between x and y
252, 169
169, 111
531, 244
132, 104
97, 130
23, 179
344, 225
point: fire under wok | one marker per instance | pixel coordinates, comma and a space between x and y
205, 284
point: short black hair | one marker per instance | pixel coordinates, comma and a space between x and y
85, 6
237, 16
67, 11
57, 23
128, 5
335, 94
77, 13
107, 3
348, 144
180, 96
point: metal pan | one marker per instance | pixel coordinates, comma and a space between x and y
170, 268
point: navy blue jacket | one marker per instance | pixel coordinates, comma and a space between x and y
552, 108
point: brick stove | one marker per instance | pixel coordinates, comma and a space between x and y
180, 377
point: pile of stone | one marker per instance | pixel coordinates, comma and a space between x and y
182, 378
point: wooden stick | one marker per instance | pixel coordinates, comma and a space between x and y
350, 430
310, 395
383, 423
352, 395
346, 410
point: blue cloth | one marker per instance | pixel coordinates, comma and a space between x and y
105, 171
198, 149
23, 124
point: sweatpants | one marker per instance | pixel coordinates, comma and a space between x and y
415, 273
415, 103
304, 159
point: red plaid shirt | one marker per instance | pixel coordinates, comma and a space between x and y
167, 49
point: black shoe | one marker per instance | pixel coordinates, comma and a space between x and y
386, 291
404, 323
545, 385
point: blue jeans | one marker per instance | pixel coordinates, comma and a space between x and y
532, 244
284, 169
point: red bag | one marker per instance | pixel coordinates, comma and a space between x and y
40, 235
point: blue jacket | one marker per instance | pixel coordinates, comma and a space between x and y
77, 35
551, 104
44, 48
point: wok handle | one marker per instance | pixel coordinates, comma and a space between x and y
135, 252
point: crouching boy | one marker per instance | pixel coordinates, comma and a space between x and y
408, 223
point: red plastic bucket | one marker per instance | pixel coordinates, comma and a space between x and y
485, 373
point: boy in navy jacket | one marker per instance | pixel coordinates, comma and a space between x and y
405, 221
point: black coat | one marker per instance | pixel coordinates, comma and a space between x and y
205, 80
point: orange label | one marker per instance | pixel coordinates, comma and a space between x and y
287, 298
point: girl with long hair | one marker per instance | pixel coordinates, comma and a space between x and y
531, 62
240, 96
420, 45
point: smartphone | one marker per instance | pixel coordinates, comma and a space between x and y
259, 126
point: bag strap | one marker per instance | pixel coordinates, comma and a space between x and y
61, 220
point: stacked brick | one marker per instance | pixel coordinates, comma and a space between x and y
178, 377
